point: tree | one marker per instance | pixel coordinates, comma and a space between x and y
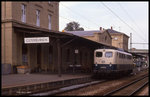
73, 26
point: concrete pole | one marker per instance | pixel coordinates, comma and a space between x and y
130, 42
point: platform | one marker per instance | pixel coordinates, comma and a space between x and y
19, 84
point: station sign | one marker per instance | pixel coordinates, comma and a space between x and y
76, 51
36, 40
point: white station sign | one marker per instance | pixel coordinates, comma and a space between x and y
36, 40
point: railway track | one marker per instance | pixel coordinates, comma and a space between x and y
69, 88
130, 88
101, 87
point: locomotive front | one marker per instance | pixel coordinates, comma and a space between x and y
104, 61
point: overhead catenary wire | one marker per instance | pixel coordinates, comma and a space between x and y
119, 17
129, 16
73, 20
112, 19
69, 20
76, 13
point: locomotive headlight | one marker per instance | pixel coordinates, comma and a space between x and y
96, 65
110, 65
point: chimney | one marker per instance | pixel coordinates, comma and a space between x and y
111, 28
63, 30
100, 28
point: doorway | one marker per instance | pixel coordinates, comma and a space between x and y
38, 58
24, 54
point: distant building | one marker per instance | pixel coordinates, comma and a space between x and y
119, 40
105, 36
100, 36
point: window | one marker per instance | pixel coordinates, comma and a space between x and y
108, 54
120, 55
116, 38
23, 16
37, 17
49, 22
129, 57
99, 54
123, 55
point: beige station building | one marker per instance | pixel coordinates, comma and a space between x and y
19, 19
26, 20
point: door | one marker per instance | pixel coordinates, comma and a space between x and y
38, 57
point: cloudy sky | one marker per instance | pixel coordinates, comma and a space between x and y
126, 17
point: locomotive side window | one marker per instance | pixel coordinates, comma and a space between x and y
120, 55
129, 57
108, 54
98, 54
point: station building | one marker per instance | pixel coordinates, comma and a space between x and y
19, 19
100, 36
64, 51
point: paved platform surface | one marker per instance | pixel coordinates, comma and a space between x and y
12, 80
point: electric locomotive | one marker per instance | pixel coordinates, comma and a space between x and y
112, 62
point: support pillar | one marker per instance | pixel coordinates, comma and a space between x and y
59, 57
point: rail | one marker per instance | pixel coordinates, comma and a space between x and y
125, 86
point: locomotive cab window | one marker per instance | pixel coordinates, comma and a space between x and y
99, 54
108, 54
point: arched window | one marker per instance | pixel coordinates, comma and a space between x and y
23, 16
37, 17
49, 22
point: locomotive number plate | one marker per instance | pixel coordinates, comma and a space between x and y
103, 61
103, 67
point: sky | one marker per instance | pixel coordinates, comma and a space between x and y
126, 17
